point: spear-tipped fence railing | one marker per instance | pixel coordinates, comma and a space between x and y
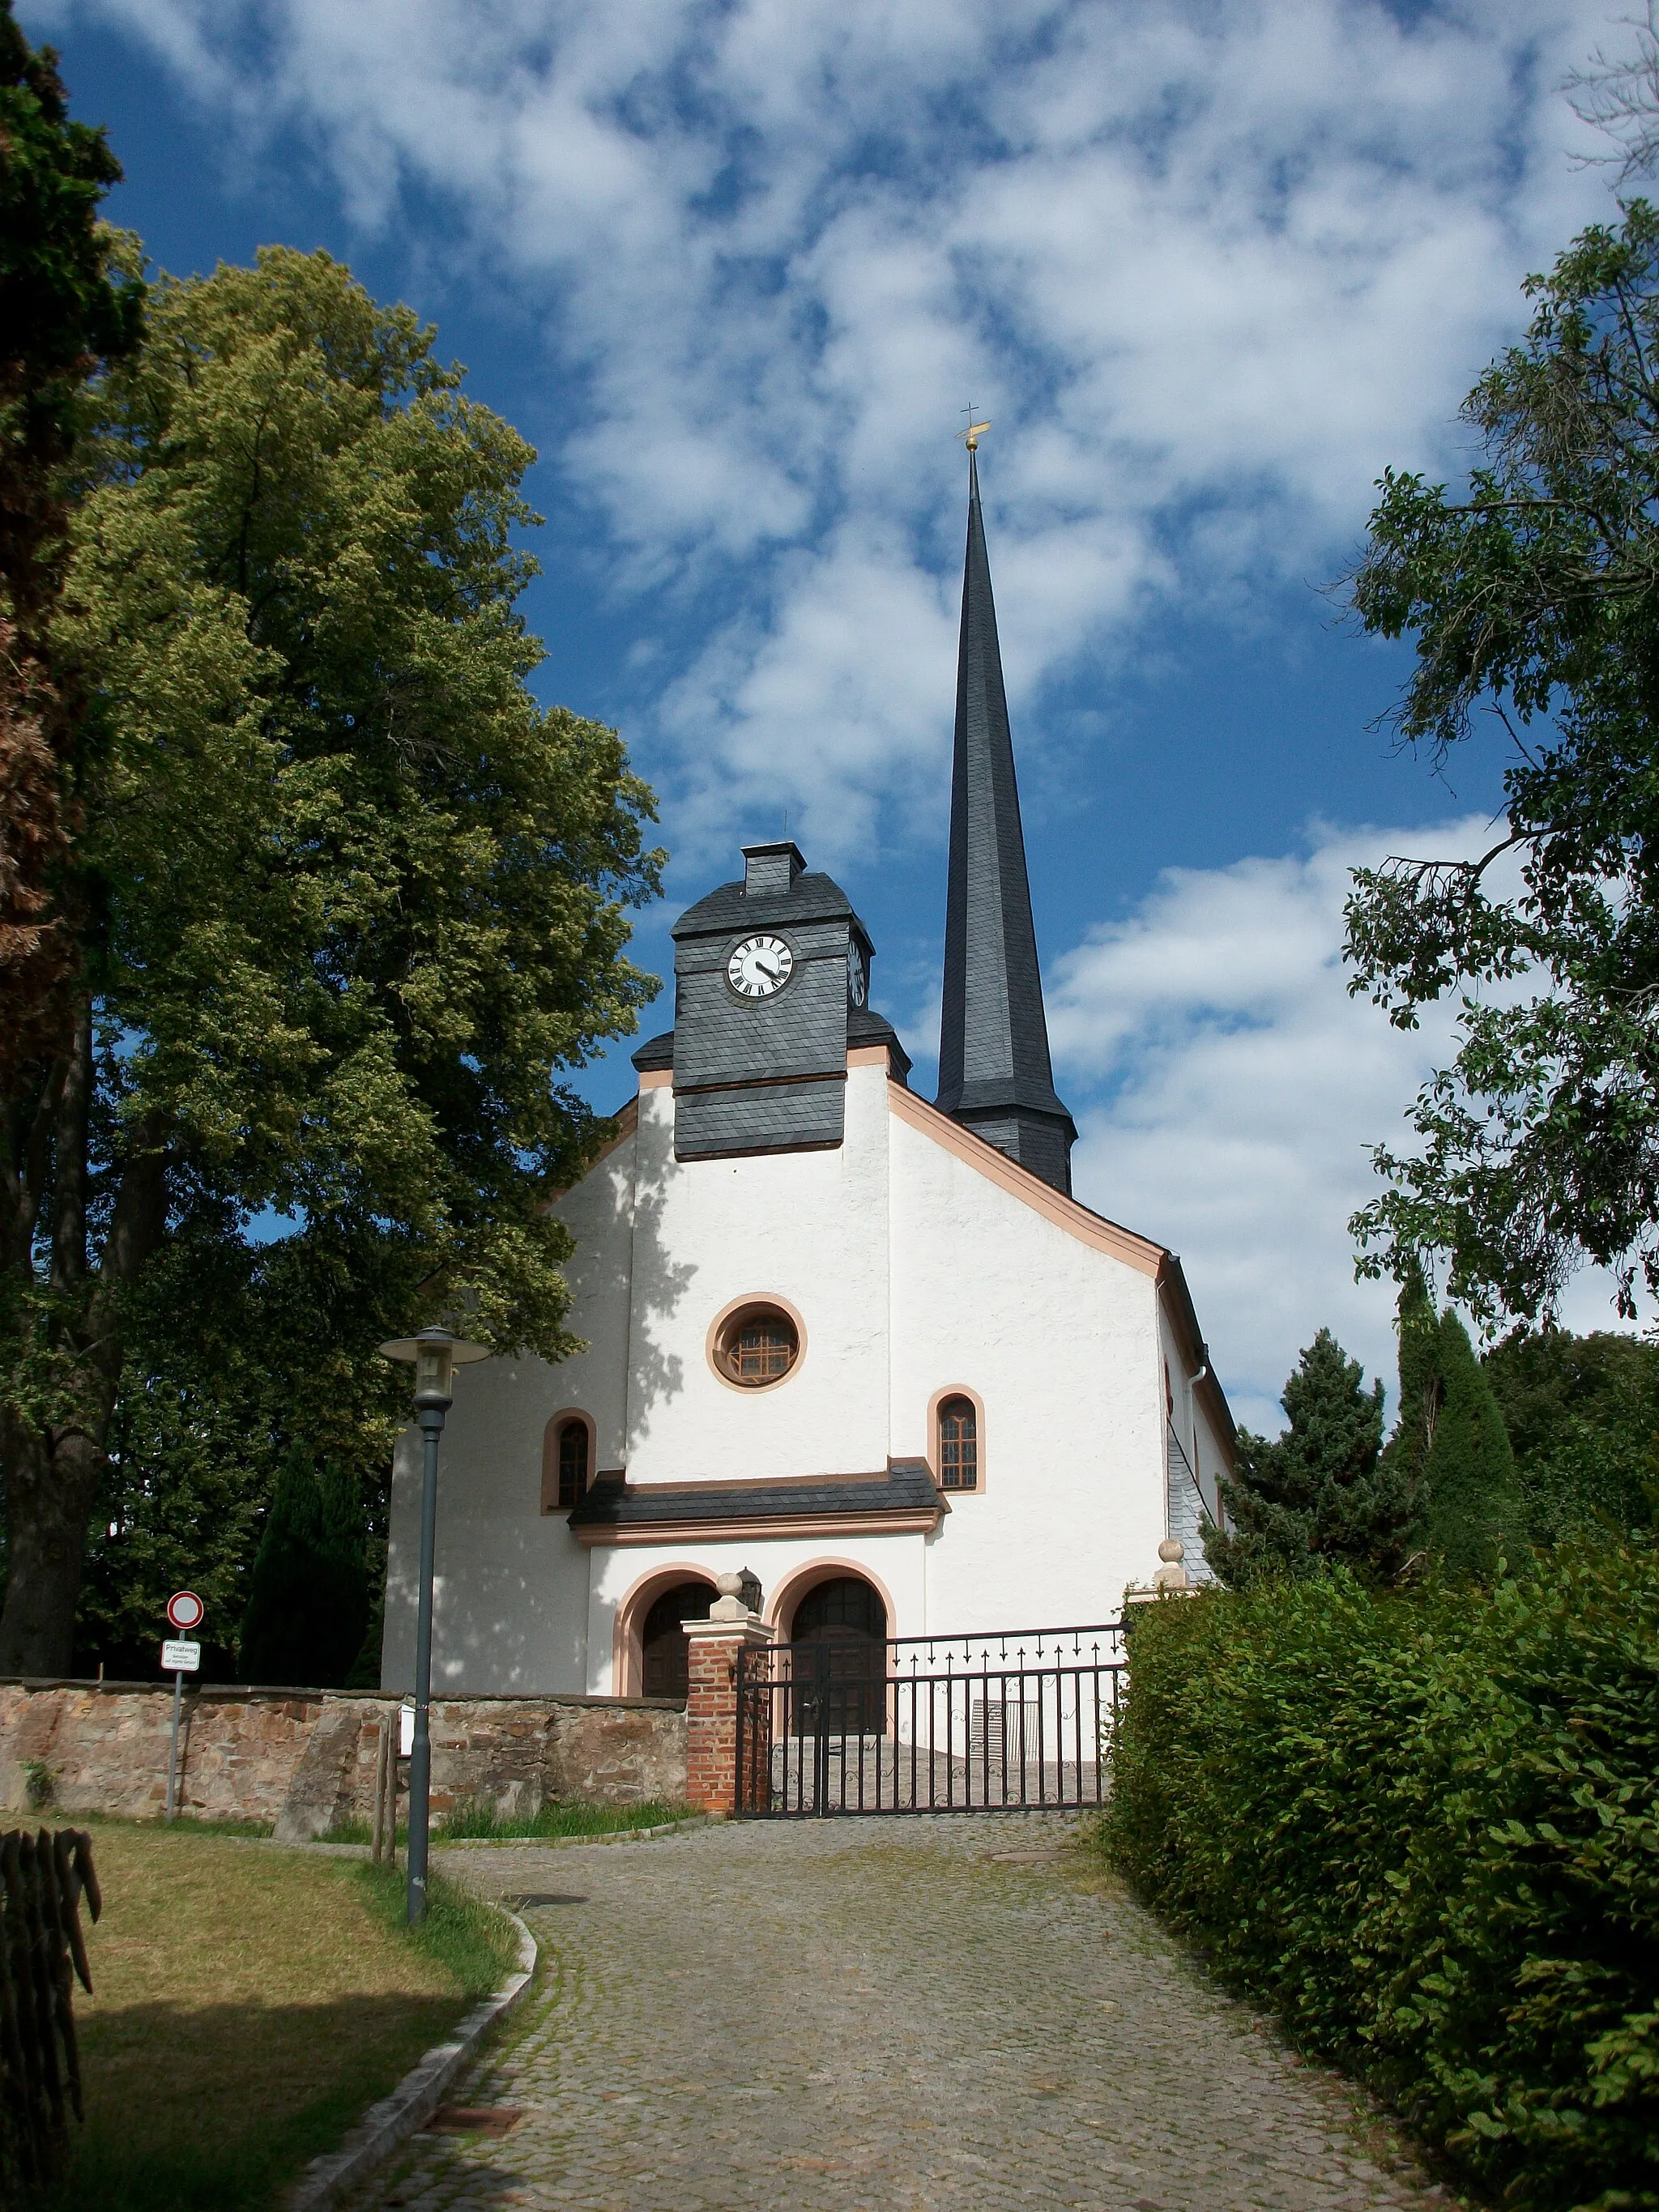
928, 1723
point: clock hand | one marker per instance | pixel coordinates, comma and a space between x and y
773, 972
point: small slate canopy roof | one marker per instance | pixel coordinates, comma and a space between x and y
906, 1489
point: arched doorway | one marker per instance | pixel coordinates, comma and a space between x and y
840, 1661
663, 1653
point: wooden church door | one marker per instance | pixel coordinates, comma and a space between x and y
664, 1655
840, 1639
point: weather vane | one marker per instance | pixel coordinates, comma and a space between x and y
971, 434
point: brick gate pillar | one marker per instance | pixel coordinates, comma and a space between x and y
711, 1702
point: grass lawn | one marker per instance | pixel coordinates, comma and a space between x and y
248, 2003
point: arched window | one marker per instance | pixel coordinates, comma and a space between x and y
573, 1464
958, 1445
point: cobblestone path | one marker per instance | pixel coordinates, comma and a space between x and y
952, 2014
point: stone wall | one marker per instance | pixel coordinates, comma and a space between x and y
305, 1759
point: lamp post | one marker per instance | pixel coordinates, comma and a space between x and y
434, 1354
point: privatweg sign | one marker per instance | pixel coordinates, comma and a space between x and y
179, 1656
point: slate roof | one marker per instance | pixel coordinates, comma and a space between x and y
864, 1026
656, 1052
907, 1487
993, 1037
812, 897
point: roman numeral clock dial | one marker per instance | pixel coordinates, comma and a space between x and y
760, 967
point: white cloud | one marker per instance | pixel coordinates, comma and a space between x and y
1236, 1088
1208, 268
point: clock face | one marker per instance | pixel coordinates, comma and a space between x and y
759, 967
858, 973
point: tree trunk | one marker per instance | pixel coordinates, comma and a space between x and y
54, 1468
51, 1486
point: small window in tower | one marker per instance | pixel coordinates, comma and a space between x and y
573, 1464
958, 1445
756, 1346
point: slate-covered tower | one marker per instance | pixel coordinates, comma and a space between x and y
771, 990
994, 1074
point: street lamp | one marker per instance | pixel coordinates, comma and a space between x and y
434, 1354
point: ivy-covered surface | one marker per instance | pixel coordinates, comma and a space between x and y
1424, 1829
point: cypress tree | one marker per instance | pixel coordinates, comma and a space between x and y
1473, 1514
364, 1673
308, 1602
1417, 1324
343, 1583
277, 1644
1320, 1494
1449, 1445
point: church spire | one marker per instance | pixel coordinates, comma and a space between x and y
995, 1075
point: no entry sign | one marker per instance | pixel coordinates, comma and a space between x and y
179, 1656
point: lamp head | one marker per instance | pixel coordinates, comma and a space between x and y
434, 1354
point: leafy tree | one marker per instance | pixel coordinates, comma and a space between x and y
62, 311
1449, 1446
308, 1594
1582, 1416
234, 1351
1536, 595
1619, 94
1319, 1494
353, 899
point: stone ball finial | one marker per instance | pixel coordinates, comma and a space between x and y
729, 1585
1171, 1551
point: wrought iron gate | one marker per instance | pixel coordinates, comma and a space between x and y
928, 1723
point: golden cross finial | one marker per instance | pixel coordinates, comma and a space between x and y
971, 434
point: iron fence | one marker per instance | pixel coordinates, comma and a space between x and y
928, 1723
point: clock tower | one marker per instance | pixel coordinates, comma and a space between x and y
771, 984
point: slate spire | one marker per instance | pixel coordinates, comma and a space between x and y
994, 1074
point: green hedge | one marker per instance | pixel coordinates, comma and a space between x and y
1424, 1830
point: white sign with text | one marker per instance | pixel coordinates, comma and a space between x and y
179, 1657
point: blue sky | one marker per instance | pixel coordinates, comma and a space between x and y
735, 268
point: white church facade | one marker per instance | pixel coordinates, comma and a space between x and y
864, 1350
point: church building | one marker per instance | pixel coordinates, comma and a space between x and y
864, 1350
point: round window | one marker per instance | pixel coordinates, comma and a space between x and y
757, 1346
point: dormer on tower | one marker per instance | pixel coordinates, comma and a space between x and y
771, 981
994, 1074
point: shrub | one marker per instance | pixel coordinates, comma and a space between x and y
1424, 1829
